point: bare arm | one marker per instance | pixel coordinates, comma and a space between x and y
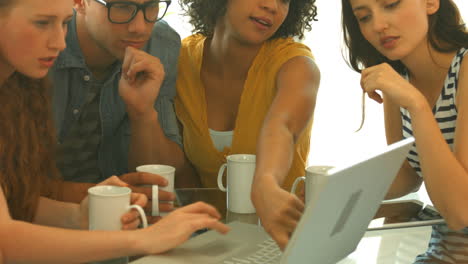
445, 172
149, 145
292, 109
187, 176
29, 243
73, 192
139, 87
58, 214
407, 180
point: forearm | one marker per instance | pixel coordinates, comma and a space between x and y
74, 192
149, 145
57, 214
29, 243
406, 181
187, 176
444, 176
275, 150
289, 114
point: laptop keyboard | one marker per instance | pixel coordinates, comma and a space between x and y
267, 252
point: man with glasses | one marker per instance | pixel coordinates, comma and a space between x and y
113, 97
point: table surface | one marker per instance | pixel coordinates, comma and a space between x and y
397, 211
389, 246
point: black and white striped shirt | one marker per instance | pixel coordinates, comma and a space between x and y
447, 245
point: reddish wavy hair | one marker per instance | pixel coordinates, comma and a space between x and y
27, 139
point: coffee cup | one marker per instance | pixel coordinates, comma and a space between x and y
314, 180
165, 171
107, 204
240, 173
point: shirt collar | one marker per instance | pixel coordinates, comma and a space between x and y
71, 56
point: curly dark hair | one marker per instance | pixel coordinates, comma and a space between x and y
447, 33
205, 13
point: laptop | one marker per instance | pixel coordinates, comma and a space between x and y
330, 227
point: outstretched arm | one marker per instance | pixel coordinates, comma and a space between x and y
292, 109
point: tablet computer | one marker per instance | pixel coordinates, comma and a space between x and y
405, 213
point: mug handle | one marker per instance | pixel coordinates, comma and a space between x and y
220, 177
142, 214
155, 200
296, 182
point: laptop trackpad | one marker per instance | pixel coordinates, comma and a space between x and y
214, 248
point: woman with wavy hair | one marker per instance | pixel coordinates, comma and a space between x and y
246, 86
33, 33
414, 53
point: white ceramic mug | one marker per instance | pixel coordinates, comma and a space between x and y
165, 171
240, 173
107, 204
314, 180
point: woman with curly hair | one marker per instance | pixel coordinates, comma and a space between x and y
33, 34
245, 86
420, 73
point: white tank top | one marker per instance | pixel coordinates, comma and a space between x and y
221, 139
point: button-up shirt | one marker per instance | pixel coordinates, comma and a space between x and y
72, 80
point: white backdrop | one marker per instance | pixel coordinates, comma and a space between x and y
338, 109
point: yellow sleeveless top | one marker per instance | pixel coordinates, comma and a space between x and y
257, 96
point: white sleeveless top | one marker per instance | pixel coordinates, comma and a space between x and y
221, 139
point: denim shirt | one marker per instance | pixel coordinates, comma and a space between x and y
72, 79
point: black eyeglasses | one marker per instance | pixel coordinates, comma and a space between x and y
122, 12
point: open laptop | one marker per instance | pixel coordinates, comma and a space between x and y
330, 228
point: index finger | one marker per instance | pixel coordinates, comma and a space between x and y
146, 190
375, 96
369, 69
128, 56
201, 208
144, 178
297, 204
139, 199
281, 239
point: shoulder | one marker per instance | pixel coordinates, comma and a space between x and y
193, 41
274, 54
288, 54
463, 71
293, 57
462, 85
164, 40
300, 68
287, 47
192, 49
300, 62
163, 32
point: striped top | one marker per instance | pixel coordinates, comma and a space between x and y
77, 154
447, 245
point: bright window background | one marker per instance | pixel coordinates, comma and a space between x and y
338, 109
